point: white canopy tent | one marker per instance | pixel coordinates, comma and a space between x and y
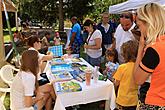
131, 5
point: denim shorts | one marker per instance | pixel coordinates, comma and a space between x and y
35, 107
93, 61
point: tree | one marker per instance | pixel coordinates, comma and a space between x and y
50, 11
79, 8
45, 11
61, 16
101, 6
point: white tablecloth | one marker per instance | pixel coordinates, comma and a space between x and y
102, 90
95, 92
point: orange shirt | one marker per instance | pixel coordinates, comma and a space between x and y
156, 92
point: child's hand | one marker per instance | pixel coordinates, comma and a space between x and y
86, 46
49, 53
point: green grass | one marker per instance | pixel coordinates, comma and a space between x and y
12, 29
7, 38
6, 33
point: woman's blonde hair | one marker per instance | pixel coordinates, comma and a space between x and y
153, 15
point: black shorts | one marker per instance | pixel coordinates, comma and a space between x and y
44, 79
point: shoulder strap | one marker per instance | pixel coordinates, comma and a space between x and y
90, 36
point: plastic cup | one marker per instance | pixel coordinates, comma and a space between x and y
88, 74
95, 74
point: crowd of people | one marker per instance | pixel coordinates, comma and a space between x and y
131, 60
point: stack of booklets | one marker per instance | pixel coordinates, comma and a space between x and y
78, 75
83, 68
61, 67
75, 60
62, 76
68, 86
57, 61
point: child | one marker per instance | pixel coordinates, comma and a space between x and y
57, 39
127, 96
68, 53
46, 39
112, 64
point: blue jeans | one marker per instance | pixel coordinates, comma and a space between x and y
93, 61
35, 107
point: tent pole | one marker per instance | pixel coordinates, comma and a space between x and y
16, 20
2, 49
9, 28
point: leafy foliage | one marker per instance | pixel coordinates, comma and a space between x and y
78, 8
46, 11
101, 6
42, 10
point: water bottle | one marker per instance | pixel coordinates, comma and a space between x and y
85, 50
96, 74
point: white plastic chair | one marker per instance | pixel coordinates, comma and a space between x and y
4, 90
6, 73
3, 94
2, 107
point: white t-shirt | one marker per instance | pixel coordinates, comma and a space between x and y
23, 85
39, 54
121, 37
93, 52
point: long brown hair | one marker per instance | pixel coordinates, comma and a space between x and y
29, 62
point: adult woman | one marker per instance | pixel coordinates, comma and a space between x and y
151, 54
44, 85
34, 43
24, 83
93, 45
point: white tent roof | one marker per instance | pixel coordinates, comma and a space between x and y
131, 5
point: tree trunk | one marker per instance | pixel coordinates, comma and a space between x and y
61, 16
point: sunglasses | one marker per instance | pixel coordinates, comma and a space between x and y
125, 16
39, 41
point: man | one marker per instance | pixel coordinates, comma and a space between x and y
46, 39
75, 36
45, 43
123, 33
107, 32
